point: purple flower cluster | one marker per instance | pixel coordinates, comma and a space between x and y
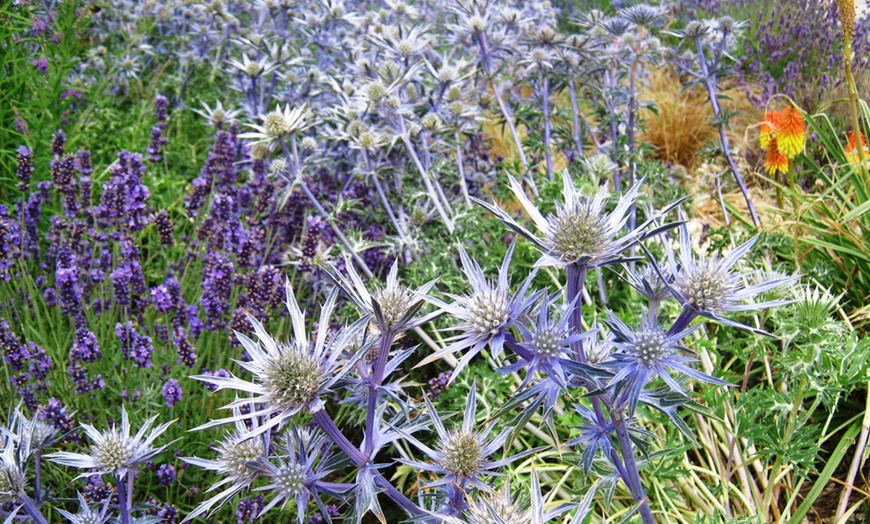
134, 346
172, 392
158, 140
769, 55
123, 202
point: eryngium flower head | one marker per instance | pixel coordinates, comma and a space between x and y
12, 477
280, 123
299, 472
114, 450
30, 434
580, 232
647, 353
86, 514
235, 455
287, 378
708, 287
463, 454
393, 307
485, 314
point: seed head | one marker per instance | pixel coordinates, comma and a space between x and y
696, 29
488, 311
260, 151
651, 346
279, 165
481, 511
114, 452
548, 340
236, 453
706, 286
476, 24
447, 74
367, 140
376, 91
454, 93
275, 124
290, 479
405, 48
576, 231
11, 482
394, 303
463, 455
292, 378
309, 144
431, 122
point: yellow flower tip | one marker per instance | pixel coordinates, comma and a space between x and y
791, 135
775, 161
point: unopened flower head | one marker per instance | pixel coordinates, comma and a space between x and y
115, 451
289, 377
87, 514
12, 478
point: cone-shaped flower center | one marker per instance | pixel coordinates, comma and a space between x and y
237, 454
89, 516
463, 455
113, 452
292, 378
9, 483
276, 124
705, 286
548, 340
488, 311
651, 346
290, 479
576, 231
394, 304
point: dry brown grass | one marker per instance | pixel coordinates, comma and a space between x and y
680, 125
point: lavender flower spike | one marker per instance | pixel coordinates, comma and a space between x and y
289, 377
486, 314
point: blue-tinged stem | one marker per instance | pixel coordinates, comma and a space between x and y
634, 484
457, 497
397, 496
576, 277
710, 82
37, 468
377, 378
122, 499
578, 137
31, 509
293, 159
322, 418
683, 321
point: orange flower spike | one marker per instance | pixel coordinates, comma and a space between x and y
775, 161
851, 147
791, 134
769, 127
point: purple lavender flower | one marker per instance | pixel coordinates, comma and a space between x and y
185, 350
249, 508
134, 346
164, 227
121, 284
162, 299
171, 392
25, 168
14, 353
58, 143
66, 281
41, 64
221, 373
85, 347
217, 285
57, 416
37, 27
10, 242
